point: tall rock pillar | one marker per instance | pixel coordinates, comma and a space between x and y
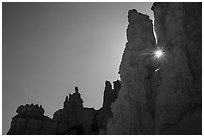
164, 97
132, 110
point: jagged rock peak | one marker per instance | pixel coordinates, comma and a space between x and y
134, 15
66, 99
116, 85
130, 112
76, 90
21, 110
108, 85
74, 98
158, 4
140, 25
110, 94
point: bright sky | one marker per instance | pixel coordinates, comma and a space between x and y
49, 48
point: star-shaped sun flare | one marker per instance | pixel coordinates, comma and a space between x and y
158, 54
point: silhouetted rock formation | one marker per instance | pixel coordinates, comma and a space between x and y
74, 115
105, 112
31, 121
110, 94
73, 118
166, 101
30, 110
132, 112
153, 97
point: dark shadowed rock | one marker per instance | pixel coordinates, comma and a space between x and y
73, 118
30, 110
109, 94
153, 97
132, 110
116, 85
178, 27
105, 112
167, 101
31, 121
72, 113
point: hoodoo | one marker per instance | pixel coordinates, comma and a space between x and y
160, 91
174, 106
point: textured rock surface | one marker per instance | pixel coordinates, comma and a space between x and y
178, 27
166, 101
30, 120
146, 101
131, 110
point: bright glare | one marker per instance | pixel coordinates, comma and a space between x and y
158, 53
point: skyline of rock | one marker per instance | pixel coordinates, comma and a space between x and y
73, 118
153, 97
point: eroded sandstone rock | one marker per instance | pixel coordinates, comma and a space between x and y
110, 94
72, 112
73, 118
178, 28
132, 110
153, 97
164, 100
31, 121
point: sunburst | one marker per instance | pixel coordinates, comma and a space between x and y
159, 54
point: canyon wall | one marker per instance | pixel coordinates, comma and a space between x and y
167, 101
